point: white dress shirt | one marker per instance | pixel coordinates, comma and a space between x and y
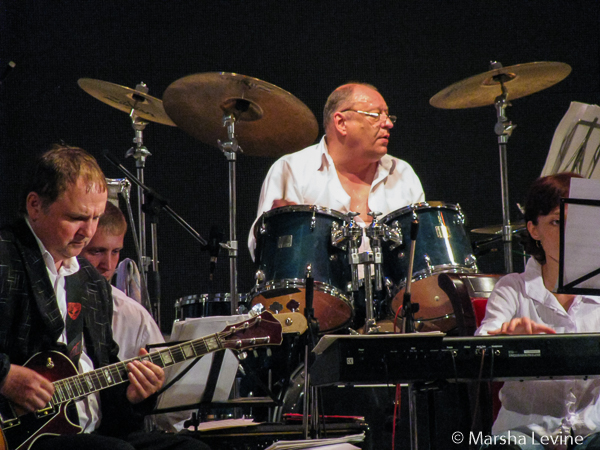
88, 408
133, 326
309, 177
544, 407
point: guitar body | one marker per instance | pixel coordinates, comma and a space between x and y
20, 432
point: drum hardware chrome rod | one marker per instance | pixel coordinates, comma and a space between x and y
504, 129
310, 402
140, 152
230, 149
408, 308
125, 190
154, 204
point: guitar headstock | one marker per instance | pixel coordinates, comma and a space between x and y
257, 331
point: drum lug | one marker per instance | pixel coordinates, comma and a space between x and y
428, 263
259, 276
470, 260
313, 220
461, 216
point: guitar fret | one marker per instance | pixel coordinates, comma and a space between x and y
77, 387
179, 354
166, 358
188, 350
68, 389
88, 382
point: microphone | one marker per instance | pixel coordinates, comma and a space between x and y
214, 246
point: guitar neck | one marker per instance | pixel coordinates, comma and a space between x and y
78, 386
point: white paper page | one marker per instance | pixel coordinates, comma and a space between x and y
576, 142
582, 235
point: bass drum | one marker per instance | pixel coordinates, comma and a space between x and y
208, 305
290, 238
442, 246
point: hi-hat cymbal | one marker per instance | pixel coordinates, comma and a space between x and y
126, 99
497, 229
519, 80
269, 120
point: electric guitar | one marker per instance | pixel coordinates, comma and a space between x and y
19, 432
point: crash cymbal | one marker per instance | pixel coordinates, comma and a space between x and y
126, 99
497, 229
519, 80
269, 120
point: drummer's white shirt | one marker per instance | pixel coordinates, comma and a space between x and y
544, 407
309, 177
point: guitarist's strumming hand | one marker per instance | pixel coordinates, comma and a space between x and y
145, 379
26, 388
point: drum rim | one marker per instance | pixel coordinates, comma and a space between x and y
321, 286
437, 270
300, 208
420, 206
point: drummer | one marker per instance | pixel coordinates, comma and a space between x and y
349, 169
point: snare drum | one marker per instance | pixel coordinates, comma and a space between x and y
442, 246
290, 238
208, 305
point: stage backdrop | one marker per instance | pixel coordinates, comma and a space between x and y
409, 49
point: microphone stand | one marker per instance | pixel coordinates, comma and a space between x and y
153, 205
408, 326
310, 404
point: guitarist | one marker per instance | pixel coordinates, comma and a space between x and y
52, 300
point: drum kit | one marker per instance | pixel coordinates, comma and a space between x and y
237, 113
301, 243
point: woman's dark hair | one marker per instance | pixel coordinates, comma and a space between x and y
543, 197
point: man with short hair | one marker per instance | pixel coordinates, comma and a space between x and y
50, 300
133, 327
349, 170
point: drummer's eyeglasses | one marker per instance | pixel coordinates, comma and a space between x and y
378, 116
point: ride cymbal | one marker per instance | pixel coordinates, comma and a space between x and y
126, 99
269, 120
519, 80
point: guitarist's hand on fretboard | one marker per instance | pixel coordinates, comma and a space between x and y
26, 388
145, 379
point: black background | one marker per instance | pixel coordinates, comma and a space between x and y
409, 49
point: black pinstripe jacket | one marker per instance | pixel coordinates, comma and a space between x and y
31, 322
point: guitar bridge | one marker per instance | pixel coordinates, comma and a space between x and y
47, 411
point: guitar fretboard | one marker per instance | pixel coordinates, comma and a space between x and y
78, 386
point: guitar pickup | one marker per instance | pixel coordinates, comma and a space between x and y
8, 416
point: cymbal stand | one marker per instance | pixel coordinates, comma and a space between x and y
230, 149
140, 153
504, 129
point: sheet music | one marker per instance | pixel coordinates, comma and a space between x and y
342, 443
576, 143
582, 235
190, 389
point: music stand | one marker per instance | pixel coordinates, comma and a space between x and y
583, 274
575, 145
